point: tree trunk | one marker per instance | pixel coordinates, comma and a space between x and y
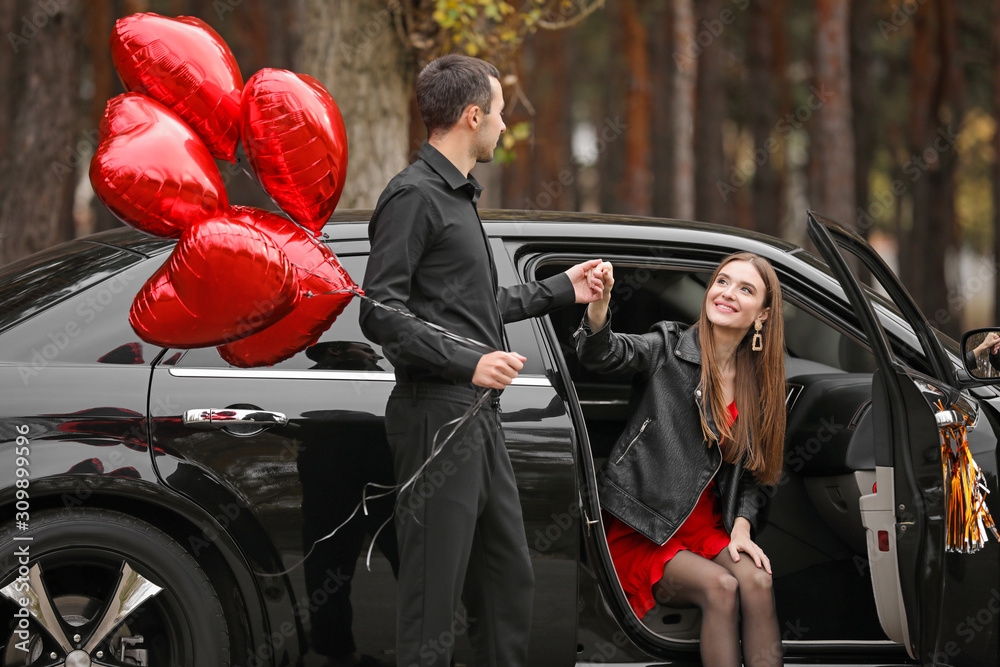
710, 165
661, 48
352, 47
637, 185
834, 137
549, 158
101, 17
936, 110
766, 186
42, 90
8, 22
942, 230
923, 72
863, 108
611, 154
682, 110
779, 63
996, 155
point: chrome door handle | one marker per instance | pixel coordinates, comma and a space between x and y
226, 417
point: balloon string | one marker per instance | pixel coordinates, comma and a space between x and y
404, 313
436, 447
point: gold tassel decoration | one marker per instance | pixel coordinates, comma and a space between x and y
968, 518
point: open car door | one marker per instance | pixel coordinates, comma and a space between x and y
914, 580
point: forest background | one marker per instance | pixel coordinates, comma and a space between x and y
882, 114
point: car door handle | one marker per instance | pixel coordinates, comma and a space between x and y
226, 417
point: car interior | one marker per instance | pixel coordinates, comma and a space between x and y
813, 532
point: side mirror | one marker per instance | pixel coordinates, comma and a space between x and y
981, 353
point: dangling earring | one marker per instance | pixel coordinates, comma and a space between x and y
757, 344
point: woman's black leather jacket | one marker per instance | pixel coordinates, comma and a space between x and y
660, 465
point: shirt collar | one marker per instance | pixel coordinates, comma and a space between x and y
449, 172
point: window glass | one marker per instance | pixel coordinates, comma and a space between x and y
341, 347
30, 285
809, 338
90, 325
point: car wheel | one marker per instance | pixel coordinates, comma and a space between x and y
95, 586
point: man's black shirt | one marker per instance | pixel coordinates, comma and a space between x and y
430, 256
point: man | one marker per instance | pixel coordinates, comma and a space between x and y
461, 537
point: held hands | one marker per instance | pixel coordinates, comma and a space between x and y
497, 369
740, 541
586, 281
597, 311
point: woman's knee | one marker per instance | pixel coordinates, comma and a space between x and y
722, 592
762, 581
757, 588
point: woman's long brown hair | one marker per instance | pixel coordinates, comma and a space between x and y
758, 434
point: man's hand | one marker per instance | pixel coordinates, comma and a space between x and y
498, 369
586, 281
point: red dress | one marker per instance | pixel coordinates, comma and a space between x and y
639, 561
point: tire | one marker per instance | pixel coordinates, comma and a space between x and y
82, 557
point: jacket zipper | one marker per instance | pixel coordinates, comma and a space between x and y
637, 436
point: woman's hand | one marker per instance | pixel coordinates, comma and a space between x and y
597, 312
990, 342
740, 541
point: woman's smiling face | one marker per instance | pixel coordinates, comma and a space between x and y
736, 298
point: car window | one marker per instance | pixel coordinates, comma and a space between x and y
89, 325
645, 294
810, 338
30, 285
341, 347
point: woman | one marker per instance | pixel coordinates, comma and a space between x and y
684, 484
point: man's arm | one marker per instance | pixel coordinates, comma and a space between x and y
579, 284
400, 230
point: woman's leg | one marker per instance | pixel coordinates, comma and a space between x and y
691, 579
761, 638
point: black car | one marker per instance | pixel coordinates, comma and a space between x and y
157, 504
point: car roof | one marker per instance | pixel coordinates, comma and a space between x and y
533, 223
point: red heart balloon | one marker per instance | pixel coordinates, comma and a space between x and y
186, 65
295, 139
152, 171
318, 272
223, 281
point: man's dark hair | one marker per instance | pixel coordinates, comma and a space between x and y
448, 85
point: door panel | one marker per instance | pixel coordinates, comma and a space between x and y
279, 490
913, 576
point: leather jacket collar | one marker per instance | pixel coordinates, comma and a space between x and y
688, 348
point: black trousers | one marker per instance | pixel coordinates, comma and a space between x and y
460, 532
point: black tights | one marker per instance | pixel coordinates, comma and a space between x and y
735, 600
